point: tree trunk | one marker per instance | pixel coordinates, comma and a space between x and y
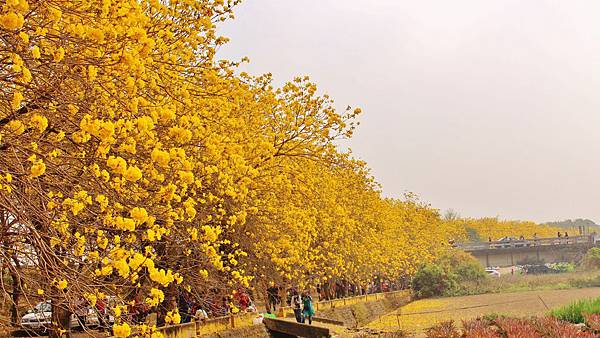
327, 288
169, 304
15, 295
61, 320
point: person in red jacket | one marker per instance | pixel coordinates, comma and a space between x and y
101, 310
242, 299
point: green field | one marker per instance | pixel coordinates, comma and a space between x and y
422, 314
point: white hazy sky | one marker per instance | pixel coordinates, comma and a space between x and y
491, 108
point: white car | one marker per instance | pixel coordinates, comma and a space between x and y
492, 272
40, 317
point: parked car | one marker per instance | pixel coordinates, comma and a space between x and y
492, 272
39, 318
511, 242
537, 269
504, 242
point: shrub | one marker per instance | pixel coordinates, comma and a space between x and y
586, 282
514, 327
562, 267
574, 312
431, 280
491, 317
510, 328
552, 327
463, 265
479, 327
394, 334
592, 321
444, 276
443, 330
591, 260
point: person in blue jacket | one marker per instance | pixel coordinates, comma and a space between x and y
307, 307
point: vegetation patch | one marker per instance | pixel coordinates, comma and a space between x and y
518, 283
510, 327
445, 275
591, 260
576, 311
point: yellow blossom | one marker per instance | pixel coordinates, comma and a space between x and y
35, 52
140, 215
92, 72
125, 223
15, 126
160, 157
117, 164
59, 54
38, 168
62, 284
133, 174
40, 122
11, 20
16, 101
122, 330
24, 36
151, 235
173, 317
156, 297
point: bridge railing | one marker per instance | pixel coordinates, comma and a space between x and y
575, 240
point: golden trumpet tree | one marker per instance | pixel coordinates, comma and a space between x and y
136, 165
494, 228
113, 131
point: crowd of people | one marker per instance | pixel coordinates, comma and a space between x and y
215, 304
302, 301
200, 307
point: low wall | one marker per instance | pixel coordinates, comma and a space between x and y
286, 329
255, 331
187, 330
220, 324
337, 303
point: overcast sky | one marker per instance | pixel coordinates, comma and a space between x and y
491, 108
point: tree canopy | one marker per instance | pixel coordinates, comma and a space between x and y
135, 164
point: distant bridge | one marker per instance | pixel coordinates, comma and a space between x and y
515, 252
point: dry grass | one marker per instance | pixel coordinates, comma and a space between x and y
516, 283
420, 315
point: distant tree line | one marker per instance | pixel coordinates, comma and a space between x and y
576, 223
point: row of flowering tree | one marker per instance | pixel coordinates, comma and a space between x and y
134, 164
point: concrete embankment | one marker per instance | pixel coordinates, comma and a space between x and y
355, 312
